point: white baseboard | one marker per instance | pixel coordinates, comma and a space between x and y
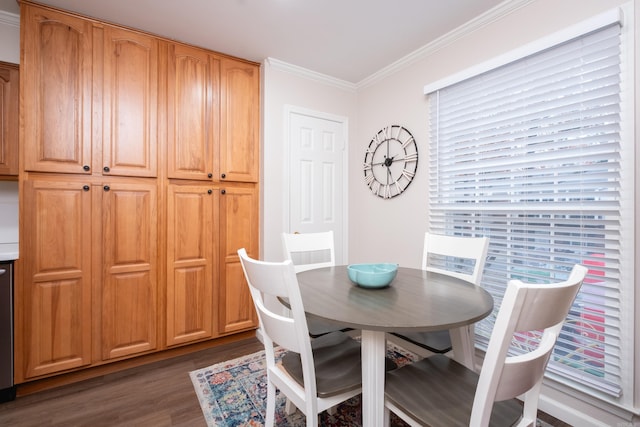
259, 335
573, 407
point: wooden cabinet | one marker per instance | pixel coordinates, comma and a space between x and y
56, 291
238, 229
9, 118
206, 225
76, 73
120, 131
192, 218
213, 134
129, 102
192, 105
56, 65
90, 273
213, 117
239, 121
126, 259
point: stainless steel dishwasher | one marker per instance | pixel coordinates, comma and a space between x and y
7, 388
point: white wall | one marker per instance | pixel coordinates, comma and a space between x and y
299, 88
8, 212
9, 37
389, 230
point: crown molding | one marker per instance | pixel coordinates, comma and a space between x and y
309, 74
503, 9
11, 19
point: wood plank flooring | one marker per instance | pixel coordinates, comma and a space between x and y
159, 394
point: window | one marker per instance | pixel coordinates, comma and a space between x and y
532, 155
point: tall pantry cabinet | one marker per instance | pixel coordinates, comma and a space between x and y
213, 117
122, 240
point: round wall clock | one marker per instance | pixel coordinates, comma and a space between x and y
390, 162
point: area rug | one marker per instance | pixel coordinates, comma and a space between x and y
233, 394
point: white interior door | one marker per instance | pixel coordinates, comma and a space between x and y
318, 180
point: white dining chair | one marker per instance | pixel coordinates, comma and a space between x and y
308, 251
314, 374
439, 391
461, 257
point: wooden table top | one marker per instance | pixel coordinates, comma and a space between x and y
416, 300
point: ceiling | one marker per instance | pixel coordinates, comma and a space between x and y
345, 39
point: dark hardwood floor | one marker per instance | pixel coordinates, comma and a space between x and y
158, 394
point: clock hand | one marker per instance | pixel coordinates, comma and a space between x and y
388, 161
409, 157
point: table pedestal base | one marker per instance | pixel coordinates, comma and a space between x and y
374, 350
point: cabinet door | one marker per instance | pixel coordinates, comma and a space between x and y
56, 289
129, 103
9, 96
192, 217
238, 229
192, 122
239, 120
56, 66
129, 268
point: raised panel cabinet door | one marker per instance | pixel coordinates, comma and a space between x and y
130, 103
56, 69
192, 217
238, 229
239, 121
55, 294
9, 118
192, 120
129, 294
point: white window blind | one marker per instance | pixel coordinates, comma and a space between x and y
529, 154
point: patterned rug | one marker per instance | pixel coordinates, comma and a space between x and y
233, 393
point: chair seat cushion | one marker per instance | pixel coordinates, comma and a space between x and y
318, 326
434, 341
441, 393
338, 364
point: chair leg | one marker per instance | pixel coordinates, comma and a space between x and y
530, 410
387, 417
289, 407
271, 405
525, 422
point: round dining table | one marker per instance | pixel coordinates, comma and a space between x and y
416, 300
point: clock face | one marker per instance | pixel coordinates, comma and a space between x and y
390, 162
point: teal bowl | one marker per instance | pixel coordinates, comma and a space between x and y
372, 275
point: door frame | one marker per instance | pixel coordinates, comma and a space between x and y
289, 110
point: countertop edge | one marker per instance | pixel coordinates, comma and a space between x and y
9, 252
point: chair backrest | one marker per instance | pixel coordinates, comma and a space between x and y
461, 257
526, 308
309, 250
278, 280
